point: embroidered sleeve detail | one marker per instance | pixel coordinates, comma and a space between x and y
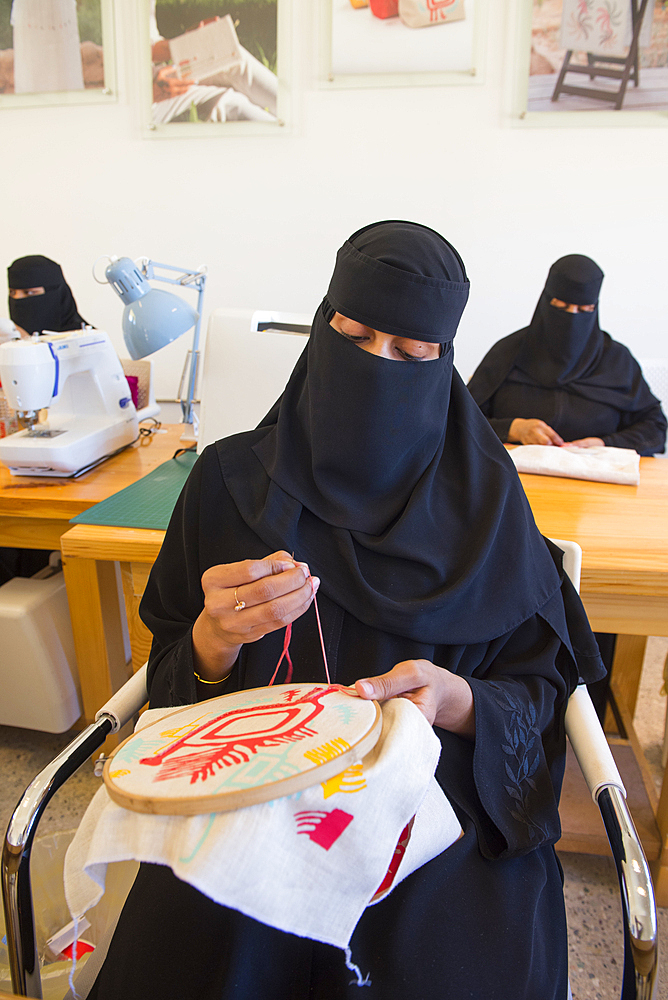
522, 748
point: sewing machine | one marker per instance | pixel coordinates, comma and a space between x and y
79, 377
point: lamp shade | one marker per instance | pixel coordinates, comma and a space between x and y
155, 320
152, 318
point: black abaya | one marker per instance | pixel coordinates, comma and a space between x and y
484, 919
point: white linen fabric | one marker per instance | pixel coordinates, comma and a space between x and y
309, 863
602, 465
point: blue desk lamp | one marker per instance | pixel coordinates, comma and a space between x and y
153, 318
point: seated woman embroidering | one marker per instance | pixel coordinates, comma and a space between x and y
378, 472
562, 379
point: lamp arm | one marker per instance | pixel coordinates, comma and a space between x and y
187, 275
187, 404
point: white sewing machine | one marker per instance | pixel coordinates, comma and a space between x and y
79, 377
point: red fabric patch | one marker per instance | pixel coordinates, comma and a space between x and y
399, 852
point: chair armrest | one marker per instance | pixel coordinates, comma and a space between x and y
126, 702
590, 745
638, 903
15, 869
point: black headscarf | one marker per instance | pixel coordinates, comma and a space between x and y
566, 350
55, 310
383, 475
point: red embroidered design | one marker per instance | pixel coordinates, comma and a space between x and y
322, 827
234, 736
399, 852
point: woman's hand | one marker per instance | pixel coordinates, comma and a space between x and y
273, 592
444, 698
533, 432
588, 443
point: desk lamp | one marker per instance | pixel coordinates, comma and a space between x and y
153, 318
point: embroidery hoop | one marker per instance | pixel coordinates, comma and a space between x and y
302, 723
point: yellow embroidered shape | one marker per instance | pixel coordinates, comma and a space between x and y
183, 730
349, 781
328, 751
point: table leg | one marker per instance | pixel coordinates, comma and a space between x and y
134, 577
92, 594
659, 868
627, 668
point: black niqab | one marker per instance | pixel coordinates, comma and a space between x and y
560, 346
55, 310
385, 472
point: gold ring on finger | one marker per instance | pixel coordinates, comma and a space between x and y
240, 605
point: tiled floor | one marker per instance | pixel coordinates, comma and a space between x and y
592, 895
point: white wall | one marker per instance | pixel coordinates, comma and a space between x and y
266, 214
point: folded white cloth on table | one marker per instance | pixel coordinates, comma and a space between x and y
309, 863
602, 465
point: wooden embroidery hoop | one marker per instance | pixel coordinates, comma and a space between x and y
360, 739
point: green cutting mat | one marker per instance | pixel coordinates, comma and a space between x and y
148, 503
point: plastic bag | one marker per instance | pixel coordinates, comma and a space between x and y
51, 913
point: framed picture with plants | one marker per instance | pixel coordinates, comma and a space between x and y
56, 52
216, 66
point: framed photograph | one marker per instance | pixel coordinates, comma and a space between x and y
592, 62
215, 66
371, 43
56, 52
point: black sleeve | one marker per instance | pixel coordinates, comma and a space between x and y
500, 426
508, 780
173, 598
645, 431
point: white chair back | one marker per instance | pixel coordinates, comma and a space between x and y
572, 560
582, 725
248, 359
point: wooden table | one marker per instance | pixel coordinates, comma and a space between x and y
34, 514
623, 531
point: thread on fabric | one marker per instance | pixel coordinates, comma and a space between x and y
322, 641
359, 979
285, 655
73, 964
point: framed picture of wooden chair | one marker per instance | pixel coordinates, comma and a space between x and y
585, 61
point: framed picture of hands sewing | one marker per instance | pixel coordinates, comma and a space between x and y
371, 43
214, 66
56, 52
592, 62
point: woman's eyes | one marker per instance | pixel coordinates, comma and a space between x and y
360, 338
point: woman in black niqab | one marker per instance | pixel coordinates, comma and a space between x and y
562, 378
54, 308
379, 471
